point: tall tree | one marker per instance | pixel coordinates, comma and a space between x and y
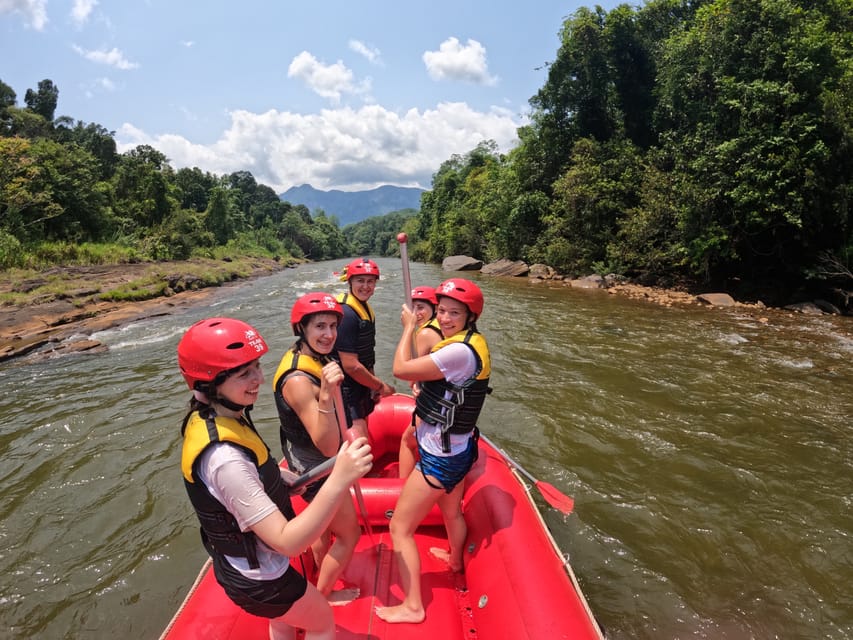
222, 215
7, 96
194, 187
50, 191
94, 138
745, 93
577, 99
44, 101
142, 185
631, 55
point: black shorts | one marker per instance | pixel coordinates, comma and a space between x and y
263, 598
358, 401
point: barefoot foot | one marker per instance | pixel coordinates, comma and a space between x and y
400, 613
340, 597
443, 554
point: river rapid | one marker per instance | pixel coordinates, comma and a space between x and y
708, 452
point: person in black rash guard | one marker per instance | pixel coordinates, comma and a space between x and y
356, 344
303, 385
239, 492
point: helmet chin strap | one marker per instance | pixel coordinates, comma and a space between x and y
225, 402
207, 394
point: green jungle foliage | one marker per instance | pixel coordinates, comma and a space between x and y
67, 196
377, 235
682, 141
701, 141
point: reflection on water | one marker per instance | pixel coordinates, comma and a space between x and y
708, 454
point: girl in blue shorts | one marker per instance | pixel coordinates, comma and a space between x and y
454, 381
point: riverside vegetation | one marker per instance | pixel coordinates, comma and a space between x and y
692, 143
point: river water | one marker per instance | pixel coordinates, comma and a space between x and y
708, 452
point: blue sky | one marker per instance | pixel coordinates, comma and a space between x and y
337, 94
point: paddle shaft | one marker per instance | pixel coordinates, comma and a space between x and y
511, 462
320, 471
403, 239
342, 427
552, 495
407, 277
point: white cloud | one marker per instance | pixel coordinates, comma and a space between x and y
113, 58
371, 53
34, 11
81, 10
98, 86
327, 80
337, 148
456, 62
188, 43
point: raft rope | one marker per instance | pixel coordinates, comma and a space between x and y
190, 593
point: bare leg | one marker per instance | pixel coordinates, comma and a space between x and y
358, 429
311, 612
320, 547
346, 532
408, 452
454, 522
414, 503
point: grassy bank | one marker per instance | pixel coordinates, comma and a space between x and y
127, 282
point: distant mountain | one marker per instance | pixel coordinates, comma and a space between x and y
354, 206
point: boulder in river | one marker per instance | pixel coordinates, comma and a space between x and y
504, 267
461, 263
716, 299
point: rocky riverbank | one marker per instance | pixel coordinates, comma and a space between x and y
82, 300
613, 284
56, 312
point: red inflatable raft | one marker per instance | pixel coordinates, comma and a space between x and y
516, 584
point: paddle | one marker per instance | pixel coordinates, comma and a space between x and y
340, 416
403, 239
552, 495
320, 471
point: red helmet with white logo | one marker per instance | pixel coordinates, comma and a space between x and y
465, 292
217, 345
362, 267
315, 302
427, 294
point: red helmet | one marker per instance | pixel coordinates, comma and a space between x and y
315, 302
215, 345
361, 267
427, 294
465, 292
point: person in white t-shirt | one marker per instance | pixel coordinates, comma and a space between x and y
454, 381
239, 492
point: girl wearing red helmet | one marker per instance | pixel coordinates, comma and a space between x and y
427, 336
303, 387
454, 380
237, 488
356, 344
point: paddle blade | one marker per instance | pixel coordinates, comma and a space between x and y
555, 498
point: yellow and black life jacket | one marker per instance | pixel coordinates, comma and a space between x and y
366, 340
456, 407
431, 324
219, 529
292, 428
